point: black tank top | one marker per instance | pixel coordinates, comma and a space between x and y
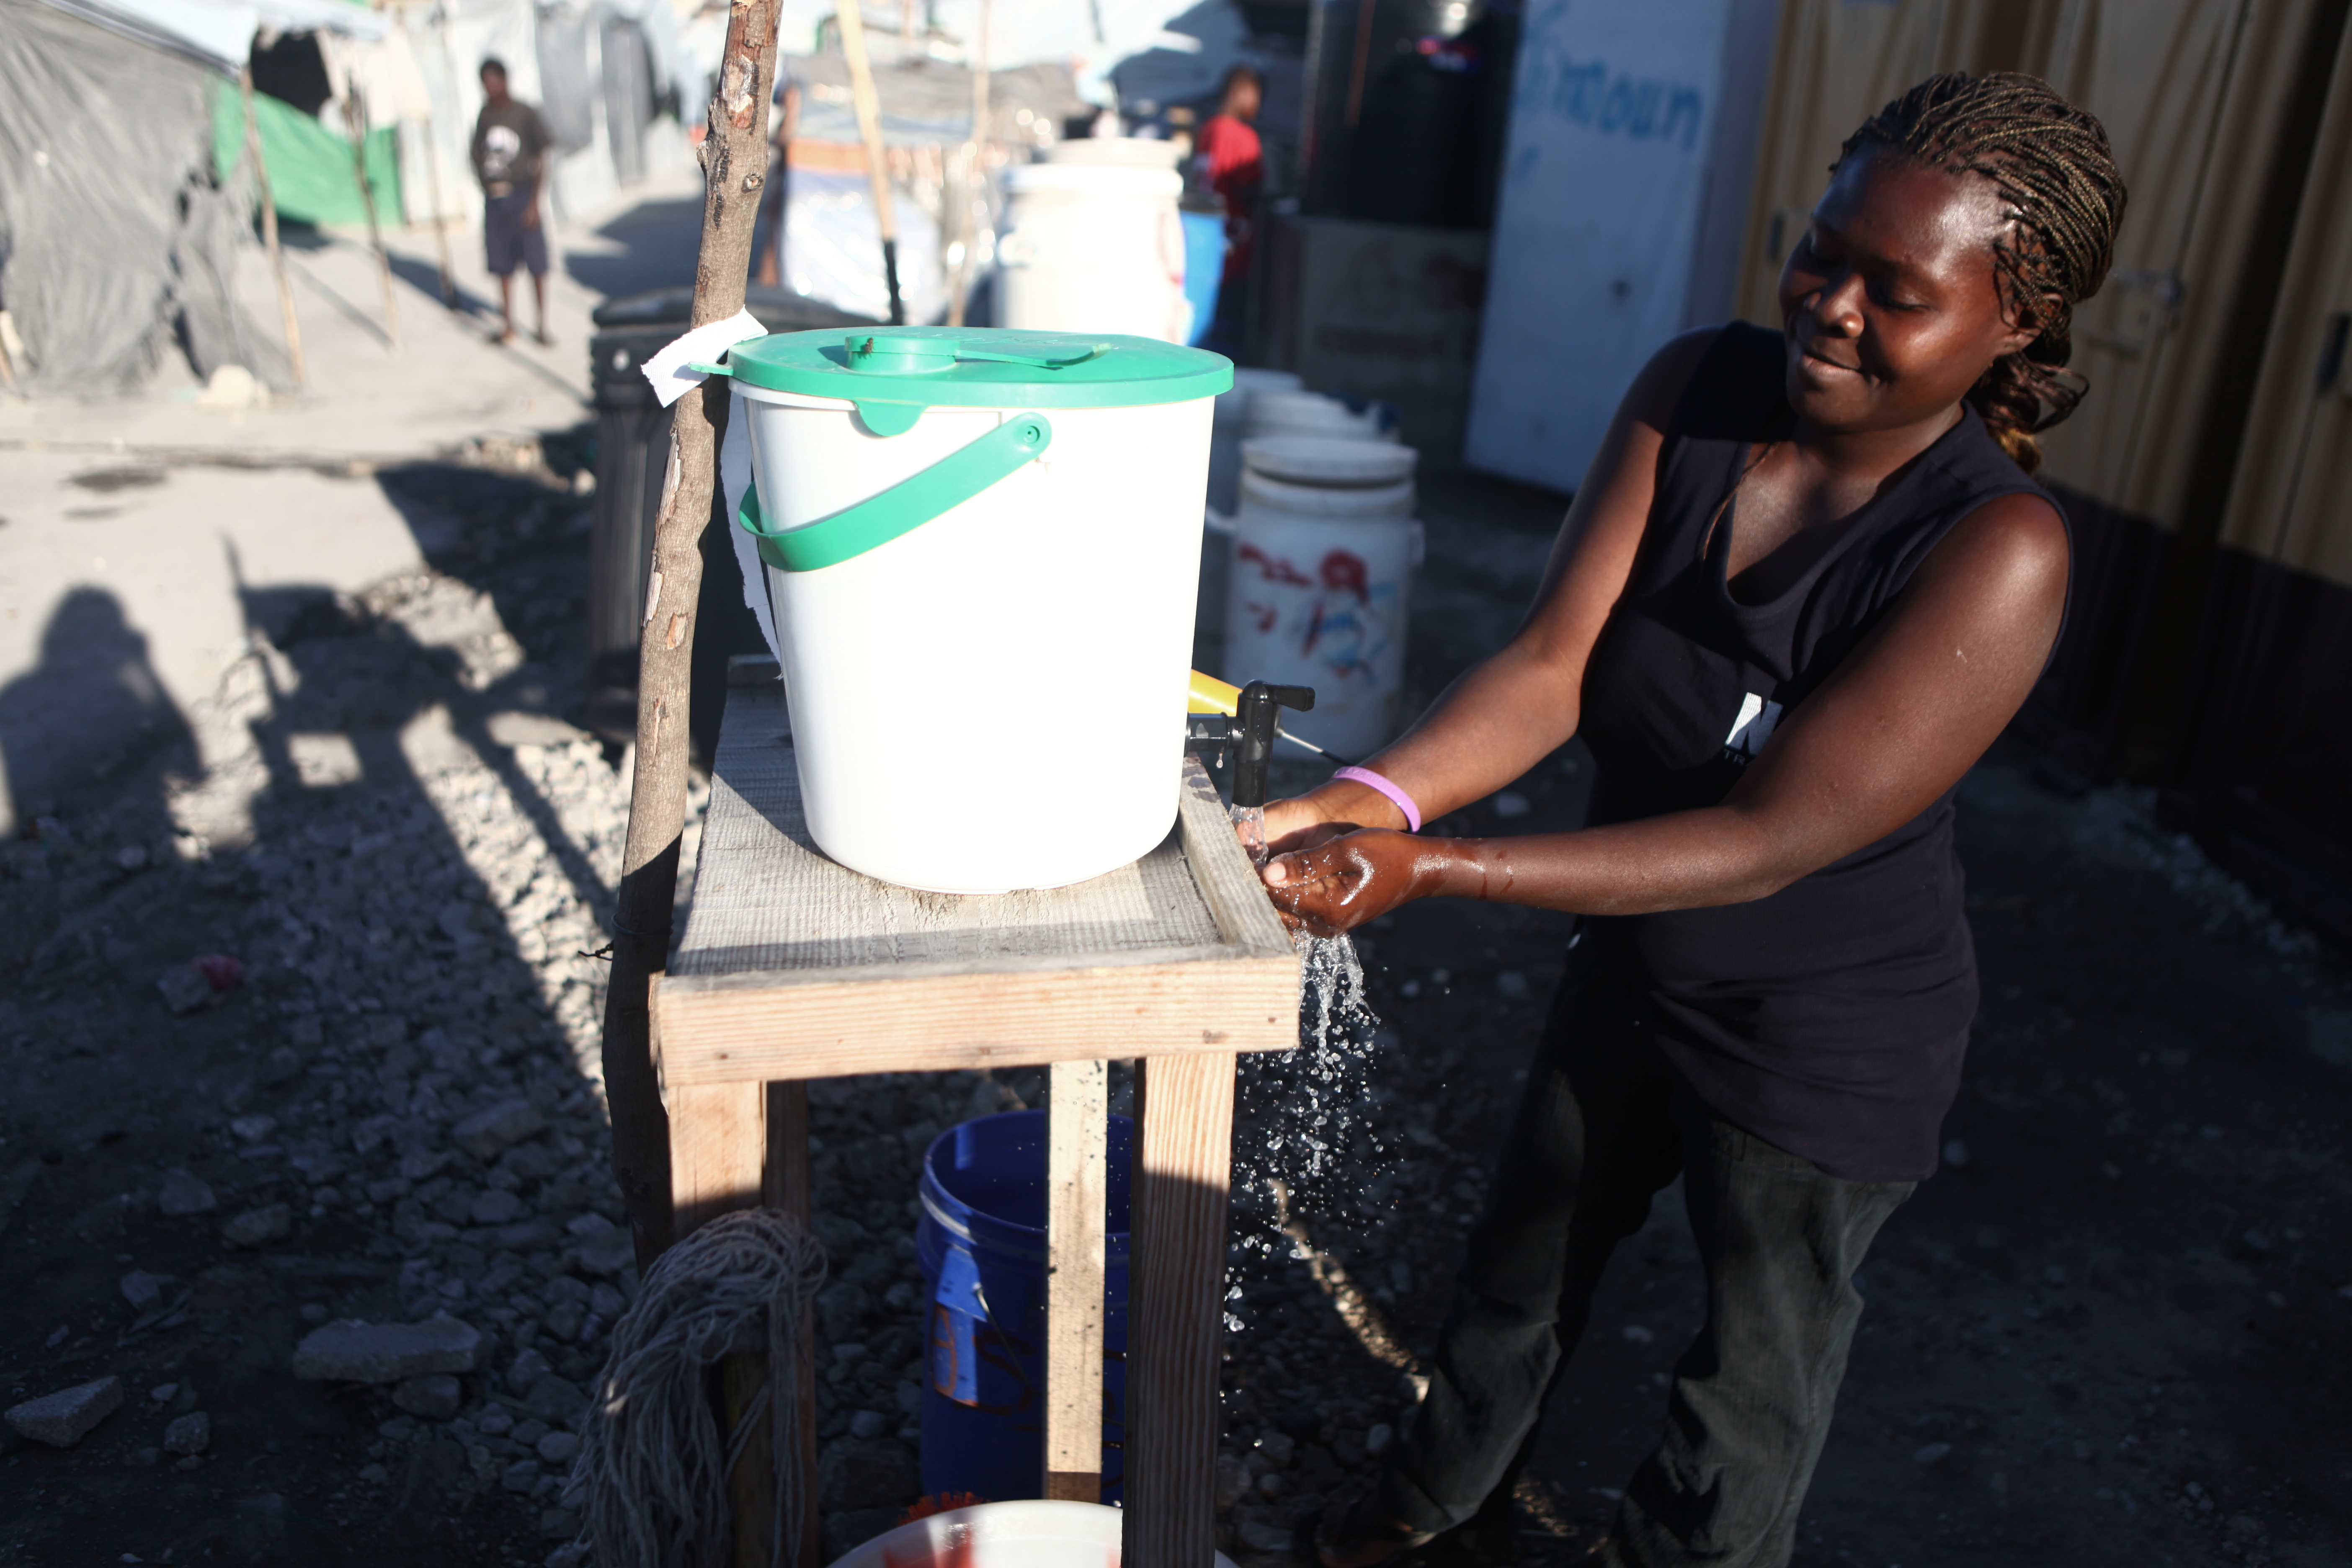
1829, 1018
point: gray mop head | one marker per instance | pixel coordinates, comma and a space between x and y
651, 1478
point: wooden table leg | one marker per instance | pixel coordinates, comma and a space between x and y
735, 1146
788, 1191
1077, 1125
717, 1150
1183, 1165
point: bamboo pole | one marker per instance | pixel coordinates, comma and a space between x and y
270, 231
975, 166
355, 117
877, 167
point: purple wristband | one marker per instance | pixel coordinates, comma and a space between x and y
1403, 801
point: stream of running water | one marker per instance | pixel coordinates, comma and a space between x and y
1312, 1143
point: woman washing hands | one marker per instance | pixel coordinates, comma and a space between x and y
1805, 585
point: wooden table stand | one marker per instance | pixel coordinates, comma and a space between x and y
793, 968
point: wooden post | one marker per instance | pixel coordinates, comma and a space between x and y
1078, 1191
877, 165
1183, 1163
1356, 67
734, 165
356, 120
734, 168
432, 178
269, 230
975, 159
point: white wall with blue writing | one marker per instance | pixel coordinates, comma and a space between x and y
1613, 129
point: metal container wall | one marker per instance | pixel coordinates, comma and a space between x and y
2265, 751
1406, 105
632, 456
1386, 311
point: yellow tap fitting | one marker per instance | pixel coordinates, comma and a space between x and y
1210, 695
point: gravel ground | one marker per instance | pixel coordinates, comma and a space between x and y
2114, 1331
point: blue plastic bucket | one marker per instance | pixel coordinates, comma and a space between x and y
1204, 268
982, 1245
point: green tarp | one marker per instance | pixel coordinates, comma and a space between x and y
310, 173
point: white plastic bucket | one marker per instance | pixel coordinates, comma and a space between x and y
995, 699
1320, 586
1129, 151
1276, 412
1003, 1535
1093, 248
1233, 422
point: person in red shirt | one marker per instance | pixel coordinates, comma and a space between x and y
1232, 163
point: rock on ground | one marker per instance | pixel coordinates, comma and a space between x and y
259, 1226
184, 990
354, 1352
859, 1473
64, 1419
435, 1396
499, 1128
184, 1192
142, 1289
189, 1435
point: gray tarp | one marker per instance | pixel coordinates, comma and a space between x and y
109, 217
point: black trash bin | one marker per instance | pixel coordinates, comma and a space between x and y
631, 450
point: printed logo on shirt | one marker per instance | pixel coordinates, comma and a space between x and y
1750, 729
501, 145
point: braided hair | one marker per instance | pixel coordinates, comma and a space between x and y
2064, 197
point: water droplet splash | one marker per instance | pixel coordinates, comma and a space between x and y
1250, 820
1313, 1150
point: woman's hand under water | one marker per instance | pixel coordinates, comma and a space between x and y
1333, 882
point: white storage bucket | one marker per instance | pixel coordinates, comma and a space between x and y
1232, 423
1320, 586
981, 549
1093, 248
1129, 151
1003, 1535
1275, 412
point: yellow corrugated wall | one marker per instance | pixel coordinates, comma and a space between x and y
2292, 503
2190, 91
1835, 64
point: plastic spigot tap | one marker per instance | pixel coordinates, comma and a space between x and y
1260, 708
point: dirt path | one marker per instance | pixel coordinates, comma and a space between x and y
2115, 1331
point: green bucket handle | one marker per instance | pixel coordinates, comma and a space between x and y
904, 506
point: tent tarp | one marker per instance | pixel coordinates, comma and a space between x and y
113, 227
311, 174
220, 32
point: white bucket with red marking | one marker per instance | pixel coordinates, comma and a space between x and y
1003, 1535
1324, 549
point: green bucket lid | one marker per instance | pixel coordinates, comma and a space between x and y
893, 374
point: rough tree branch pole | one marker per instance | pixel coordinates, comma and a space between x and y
734, 166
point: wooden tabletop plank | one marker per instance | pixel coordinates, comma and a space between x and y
727, 1028
795, 967
767, 899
